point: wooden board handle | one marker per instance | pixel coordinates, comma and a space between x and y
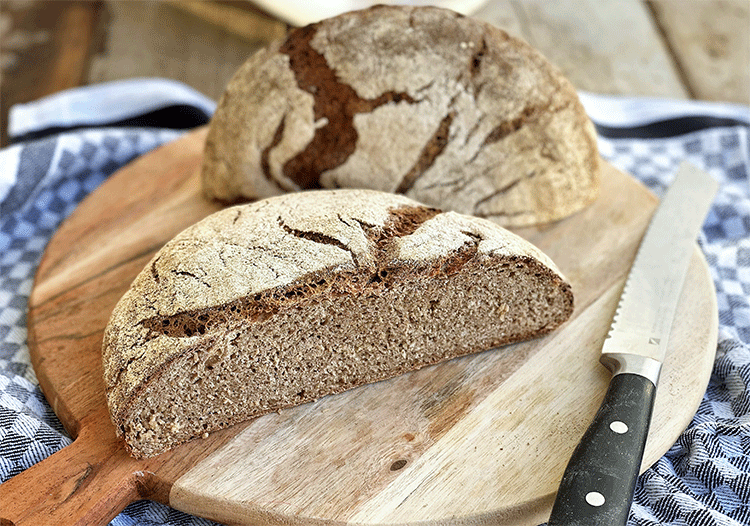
86, 483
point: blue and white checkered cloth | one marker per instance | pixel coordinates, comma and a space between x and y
704, 479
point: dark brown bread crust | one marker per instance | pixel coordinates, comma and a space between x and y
335, 101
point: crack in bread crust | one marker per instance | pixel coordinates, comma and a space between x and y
403, 221
316, 237
265, 155
335, 102
502, 130
431, 151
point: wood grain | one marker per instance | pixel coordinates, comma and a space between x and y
711, 45
46, 47
235, 17
482, 439
156, 39
606, 47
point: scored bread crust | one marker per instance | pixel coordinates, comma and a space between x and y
448, 110
241, 272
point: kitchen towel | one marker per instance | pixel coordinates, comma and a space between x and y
704, 479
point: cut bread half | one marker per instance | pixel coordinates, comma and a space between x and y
272, 304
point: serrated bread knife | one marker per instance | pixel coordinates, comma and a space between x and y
598, 484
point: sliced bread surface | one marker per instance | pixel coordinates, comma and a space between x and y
272, 304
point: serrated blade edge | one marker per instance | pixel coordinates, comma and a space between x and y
644, 316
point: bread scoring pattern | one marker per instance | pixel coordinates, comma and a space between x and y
363, 279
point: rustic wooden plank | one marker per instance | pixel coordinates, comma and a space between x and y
710, 40
605, 47
73, 40
46, 47
502, 14
155, 39
245, 23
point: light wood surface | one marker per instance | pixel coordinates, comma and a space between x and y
245, 23
583, 37
710, 42
478, 440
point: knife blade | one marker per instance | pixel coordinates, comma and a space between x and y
599, 481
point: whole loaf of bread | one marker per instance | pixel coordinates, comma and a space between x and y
447, 110
279, 302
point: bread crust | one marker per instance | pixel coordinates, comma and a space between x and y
447, 110
249, 264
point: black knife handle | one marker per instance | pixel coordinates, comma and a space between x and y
598, 484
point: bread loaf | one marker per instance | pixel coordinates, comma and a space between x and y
447, 110
271, 304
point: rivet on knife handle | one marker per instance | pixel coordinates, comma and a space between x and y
598, 484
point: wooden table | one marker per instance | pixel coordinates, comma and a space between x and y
666, 48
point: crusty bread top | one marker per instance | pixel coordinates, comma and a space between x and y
277, 251
448, 110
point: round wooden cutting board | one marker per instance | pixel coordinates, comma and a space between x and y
479, 440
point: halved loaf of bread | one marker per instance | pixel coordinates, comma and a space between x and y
448, 110
271, 304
